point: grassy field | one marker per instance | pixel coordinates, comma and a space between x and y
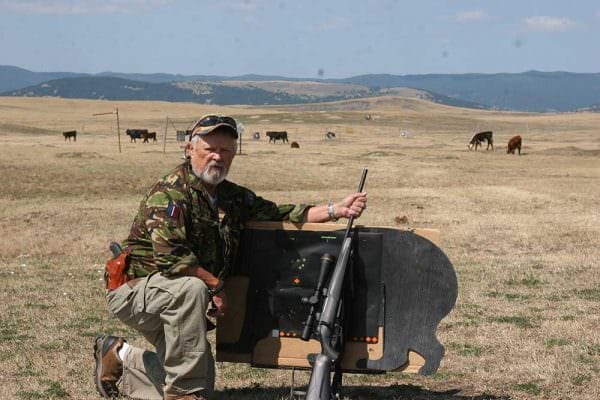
522, 232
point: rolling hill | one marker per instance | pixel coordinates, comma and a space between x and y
223, 93
531, 91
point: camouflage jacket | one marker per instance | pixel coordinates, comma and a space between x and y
176, 225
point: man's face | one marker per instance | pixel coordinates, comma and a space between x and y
211, 156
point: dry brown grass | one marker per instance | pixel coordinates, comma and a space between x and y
522, 233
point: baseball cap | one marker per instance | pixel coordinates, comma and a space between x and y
210, 123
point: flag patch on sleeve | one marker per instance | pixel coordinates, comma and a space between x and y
173, 210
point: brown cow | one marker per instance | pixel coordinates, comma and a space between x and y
294, 145
514, 144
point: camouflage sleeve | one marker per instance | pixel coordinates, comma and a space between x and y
265, 210
164, 213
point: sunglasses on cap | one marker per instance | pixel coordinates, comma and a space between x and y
209, 123
212, 120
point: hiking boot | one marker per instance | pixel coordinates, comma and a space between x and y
109, 367
189, 396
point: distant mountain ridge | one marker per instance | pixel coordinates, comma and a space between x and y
109, 88
528, 91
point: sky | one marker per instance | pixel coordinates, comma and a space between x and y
300, 38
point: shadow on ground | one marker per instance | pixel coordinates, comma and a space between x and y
392, 392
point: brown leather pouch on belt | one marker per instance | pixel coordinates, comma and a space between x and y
115, 272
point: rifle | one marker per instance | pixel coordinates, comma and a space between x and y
320, 386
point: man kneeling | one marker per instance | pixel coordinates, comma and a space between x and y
180, 251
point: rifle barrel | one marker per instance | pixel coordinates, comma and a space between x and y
361, 186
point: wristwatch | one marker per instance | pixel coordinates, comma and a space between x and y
217, 289
330, 211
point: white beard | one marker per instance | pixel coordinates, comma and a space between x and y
212, 177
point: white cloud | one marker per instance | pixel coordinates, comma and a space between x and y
78, 6
470, 16
548, 24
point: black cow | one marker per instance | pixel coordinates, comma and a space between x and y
478, 138
148, 135
69, 135
330, 135
136, 134
275, 136
295, 145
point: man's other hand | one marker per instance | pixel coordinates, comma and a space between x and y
218, 305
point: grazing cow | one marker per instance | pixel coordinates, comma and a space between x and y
275, 136
136, 134
69, 135
295, 145
256, 135
148, 135
368, 117
513, 144
478, 138
330, 135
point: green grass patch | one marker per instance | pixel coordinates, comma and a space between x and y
593, 349
537, 265
556, 297
54, 391
10, 333
581, 379
518, 320
555, 342
6, 355
567, 318
446, 375
27, 372
470, 320
529, 387
589, 294
465, 350
85, 323
530, 282
35, 306
508, 296
585, 359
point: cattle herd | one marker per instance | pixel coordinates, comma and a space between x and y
477, 140
487, 136
140, 134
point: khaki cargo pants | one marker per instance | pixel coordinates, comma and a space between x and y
170, 313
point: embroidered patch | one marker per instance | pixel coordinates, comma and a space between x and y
173, 210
